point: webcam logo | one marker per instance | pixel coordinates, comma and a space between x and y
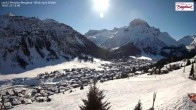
184, 6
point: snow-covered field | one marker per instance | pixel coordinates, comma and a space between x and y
66, 65
123, 94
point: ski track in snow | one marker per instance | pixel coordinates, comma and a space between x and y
125, 93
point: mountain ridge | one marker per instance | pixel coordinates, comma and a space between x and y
29, 42
189, 41
138, 32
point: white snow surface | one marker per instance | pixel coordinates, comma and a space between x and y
147, 57
123, 94
144, 58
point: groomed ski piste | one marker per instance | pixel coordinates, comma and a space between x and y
172, 93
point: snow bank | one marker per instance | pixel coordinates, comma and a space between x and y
144, 58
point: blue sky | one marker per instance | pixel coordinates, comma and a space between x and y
81, 15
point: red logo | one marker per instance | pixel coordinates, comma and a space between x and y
184, 6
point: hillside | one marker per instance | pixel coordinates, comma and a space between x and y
28, 42
171, 88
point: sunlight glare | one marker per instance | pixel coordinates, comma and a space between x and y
101, 6
101, 15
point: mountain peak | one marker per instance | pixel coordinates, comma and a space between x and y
137, 22
49, 21
115, 29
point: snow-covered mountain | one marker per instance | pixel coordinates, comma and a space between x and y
99, 37
29, 42
139, 33
188, 41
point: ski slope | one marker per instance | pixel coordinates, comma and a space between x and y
123, 94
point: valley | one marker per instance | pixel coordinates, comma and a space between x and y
45, 64
61, 89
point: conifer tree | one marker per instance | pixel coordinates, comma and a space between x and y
94, 100
192, 71
138, 106
188, 62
